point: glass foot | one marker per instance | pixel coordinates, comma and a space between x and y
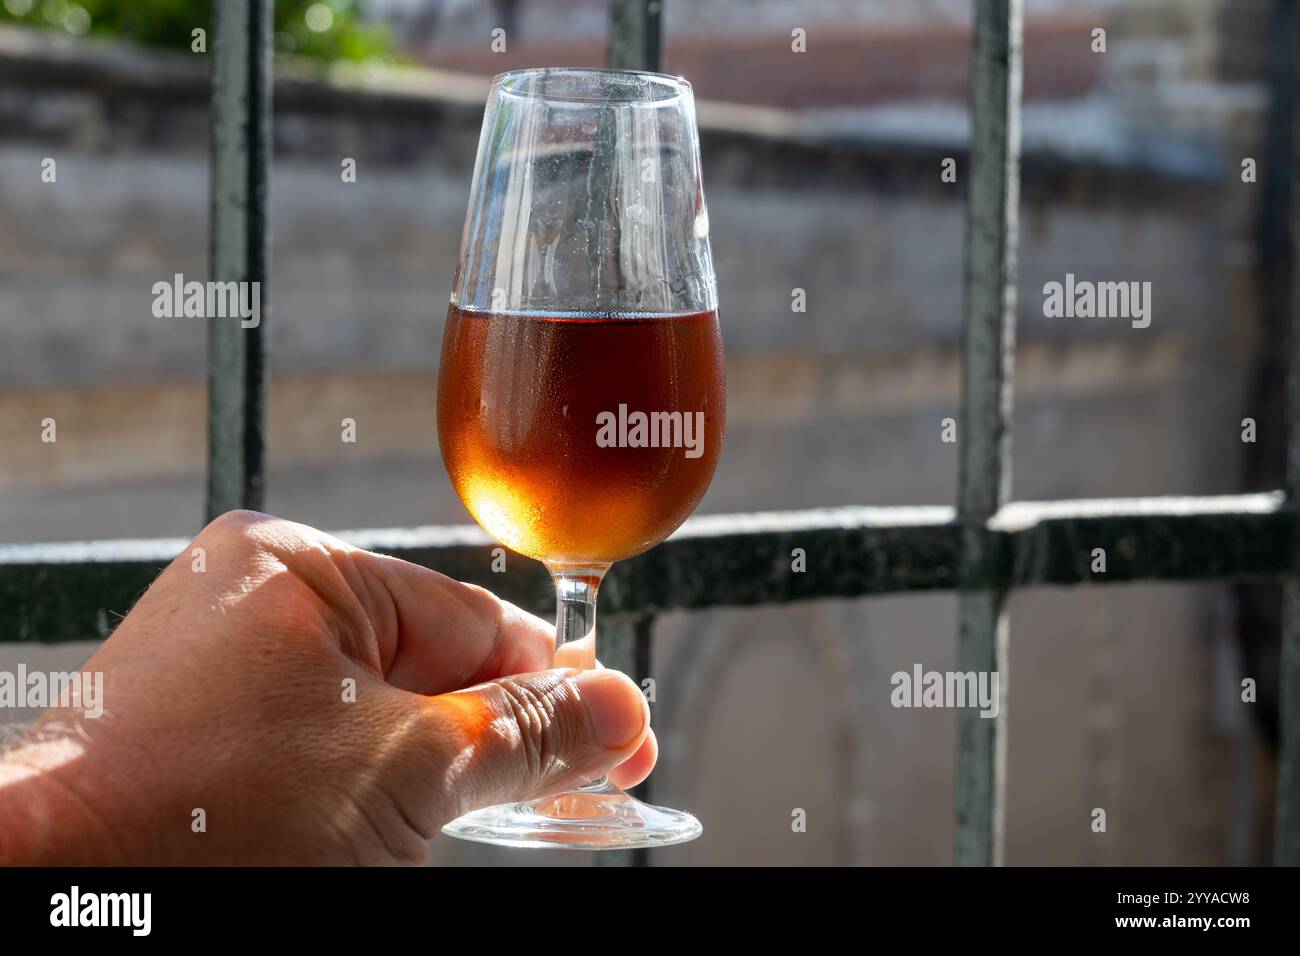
598, 817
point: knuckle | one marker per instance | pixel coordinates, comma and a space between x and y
240, 528
236, 521
544, 737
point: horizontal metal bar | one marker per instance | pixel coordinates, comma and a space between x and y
66, 591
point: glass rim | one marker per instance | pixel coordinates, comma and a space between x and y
677, 84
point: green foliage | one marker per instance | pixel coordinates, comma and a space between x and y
320, 29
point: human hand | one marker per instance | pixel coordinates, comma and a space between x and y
225, 692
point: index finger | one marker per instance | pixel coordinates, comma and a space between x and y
444, 634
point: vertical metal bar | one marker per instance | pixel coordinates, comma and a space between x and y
1286, 836
988, 343
1284, 151
238, 241
635, 43
624, 644
635, 35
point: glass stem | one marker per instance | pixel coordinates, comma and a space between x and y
575, 621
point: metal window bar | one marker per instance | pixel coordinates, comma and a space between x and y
982, 549
238, 251
635, 42
987, 345
1284, 131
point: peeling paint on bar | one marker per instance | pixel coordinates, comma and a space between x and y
54, 592
984, 479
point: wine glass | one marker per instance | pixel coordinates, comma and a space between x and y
581, 395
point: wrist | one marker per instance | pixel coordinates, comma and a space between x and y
47, 816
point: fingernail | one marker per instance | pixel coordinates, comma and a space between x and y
617, 708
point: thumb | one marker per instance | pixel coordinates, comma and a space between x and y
530, 735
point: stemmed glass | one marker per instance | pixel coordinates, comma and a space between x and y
581, 395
